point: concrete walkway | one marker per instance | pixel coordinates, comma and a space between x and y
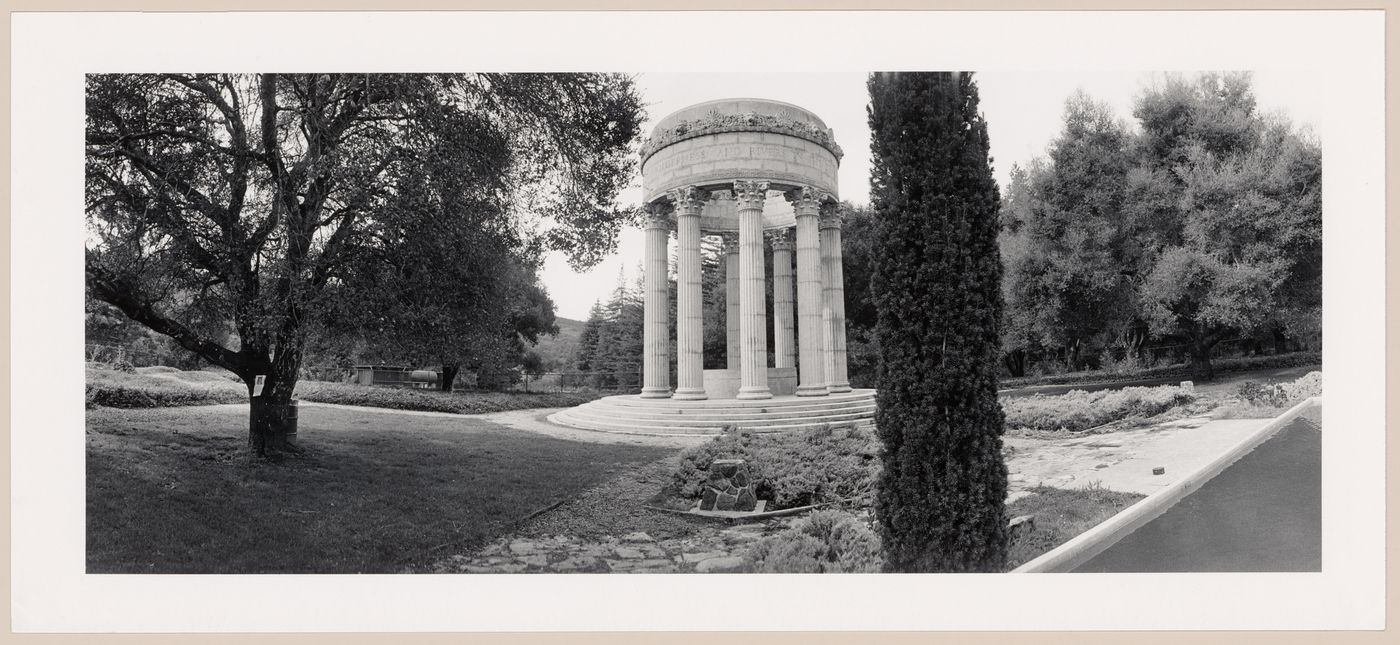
1123, 460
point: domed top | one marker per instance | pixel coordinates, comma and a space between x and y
739, 115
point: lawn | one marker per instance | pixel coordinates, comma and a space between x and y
173, 490
1061, 514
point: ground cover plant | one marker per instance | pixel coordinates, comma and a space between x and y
789, 469
174, 490
1079, 410
1261, 400
1061, 514
826, 541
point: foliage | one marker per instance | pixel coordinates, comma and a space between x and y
122, 389
1203, 224
1244, 363
236, 200
437, 401
1068, 257
1079, 410
826, 541
936, 286
1281, 394
611, 340
789, 469
109, 388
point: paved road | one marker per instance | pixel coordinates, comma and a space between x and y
1264, 513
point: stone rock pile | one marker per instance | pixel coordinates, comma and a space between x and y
729, 487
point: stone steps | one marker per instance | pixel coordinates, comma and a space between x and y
634, 415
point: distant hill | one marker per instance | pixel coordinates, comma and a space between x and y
558, 351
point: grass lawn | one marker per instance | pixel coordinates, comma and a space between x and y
173, 490
1061, 514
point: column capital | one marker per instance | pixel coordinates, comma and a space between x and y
731, 243
808, 198
656, 218
831, 217
779, 240
688, 200
749, 195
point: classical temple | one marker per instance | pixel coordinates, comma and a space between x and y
757, 173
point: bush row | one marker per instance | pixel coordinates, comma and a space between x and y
1223, 365
156, 387
1080, 410
120, 389
436, 401
789, 469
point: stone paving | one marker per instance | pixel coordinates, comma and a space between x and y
717, 549
1122, 460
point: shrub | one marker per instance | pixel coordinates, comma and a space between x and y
435, 400
118, 389
1080, 410
1277, 361
789, 469
937, 287
827, 541
1279, 395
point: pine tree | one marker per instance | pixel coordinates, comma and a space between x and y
936, 287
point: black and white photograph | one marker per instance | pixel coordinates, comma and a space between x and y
600, 324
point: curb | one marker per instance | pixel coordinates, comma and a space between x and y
1086, 545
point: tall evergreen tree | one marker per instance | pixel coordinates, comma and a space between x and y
936, 287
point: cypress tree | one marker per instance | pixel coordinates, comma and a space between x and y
936, 288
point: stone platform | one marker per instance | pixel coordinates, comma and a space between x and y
632, 414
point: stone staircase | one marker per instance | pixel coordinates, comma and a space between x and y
631, 414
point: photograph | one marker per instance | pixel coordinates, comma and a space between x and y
949, 321
321, 331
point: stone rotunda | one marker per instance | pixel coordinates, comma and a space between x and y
756, 173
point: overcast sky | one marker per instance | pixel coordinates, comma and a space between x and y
1023, 111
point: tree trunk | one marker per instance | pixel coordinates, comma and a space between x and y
1201, 369
272, 414
449, 376
1015, 361
1280, 341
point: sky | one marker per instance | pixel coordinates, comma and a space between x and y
1023, 112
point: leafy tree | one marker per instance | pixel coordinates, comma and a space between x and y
858, 251
1229, 202
1073, 259
936, 287
217, 199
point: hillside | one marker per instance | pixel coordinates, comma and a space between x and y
558, 351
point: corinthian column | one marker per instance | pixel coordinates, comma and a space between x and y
690, 316
655, 339
753, 332
731, 301
833, 301
810, 361
783, 323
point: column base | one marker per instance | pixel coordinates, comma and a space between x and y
655, 393
838, 388
690, 395
811, 390
754, 393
